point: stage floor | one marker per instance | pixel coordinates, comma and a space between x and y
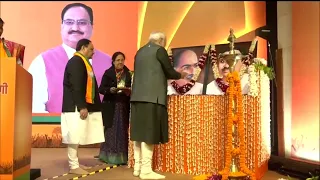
53, 162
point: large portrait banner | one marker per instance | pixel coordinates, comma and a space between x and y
193, 61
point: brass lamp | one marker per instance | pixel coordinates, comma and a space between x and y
233, 58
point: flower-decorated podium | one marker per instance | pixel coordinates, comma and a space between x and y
227, 135
197, 131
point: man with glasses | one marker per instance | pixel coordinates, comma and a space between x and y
47, 68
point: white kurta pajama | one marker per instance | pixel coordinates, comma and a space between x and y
76, 131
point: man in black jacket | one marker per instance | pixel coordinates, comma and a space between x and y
149, 116
81, 119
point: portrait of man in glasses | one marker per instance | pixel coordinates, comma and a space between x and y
48, 67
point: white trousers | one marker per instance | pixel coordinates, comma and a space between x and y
73, 156
143, 154
137, 155
77, 131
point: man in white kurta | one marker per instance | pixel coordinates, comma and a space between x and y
81, 119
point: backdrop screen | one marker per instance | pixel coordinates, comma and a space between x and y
112, 26
52, 37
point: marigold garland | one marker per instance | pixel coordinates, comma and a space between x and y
241, 132
228, 154
235, 96
234, 79
235, 151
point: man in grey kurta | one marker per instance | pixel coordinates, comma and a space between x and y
149, 116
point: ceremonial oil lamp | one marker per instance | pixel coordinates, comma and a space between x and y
233, 58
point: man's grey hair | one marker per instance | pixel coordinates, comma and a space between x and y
155, 36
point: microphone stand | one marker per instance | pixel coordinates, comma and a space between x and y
271, 63
273, 92
206, 72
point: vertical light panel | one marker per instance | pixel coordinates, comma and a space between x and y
285, 43
305, 80
141, 21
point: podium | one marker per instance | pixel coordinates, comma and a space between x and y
198, 131
15, 120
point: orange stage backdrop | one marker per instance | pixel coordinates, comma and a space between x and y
126, 26
49, 136
305, 81
15, 120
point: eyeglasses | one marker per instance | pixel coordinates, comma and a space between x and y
80, 22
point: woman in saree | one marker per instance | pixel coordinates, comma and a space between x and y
116, 88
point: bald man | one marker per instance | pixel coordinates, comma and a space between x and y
185, 61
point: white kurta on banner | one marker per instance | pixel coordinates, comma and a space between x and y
74, 130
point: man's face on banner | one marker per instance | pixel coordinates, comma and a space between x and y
223, 67
76, 25
188, 62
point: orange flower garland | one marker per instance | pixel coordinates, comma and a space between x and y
243, 149
228, 154
235, 95
235, 151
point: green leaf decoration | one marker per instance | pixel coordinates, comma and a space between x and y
267, 70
